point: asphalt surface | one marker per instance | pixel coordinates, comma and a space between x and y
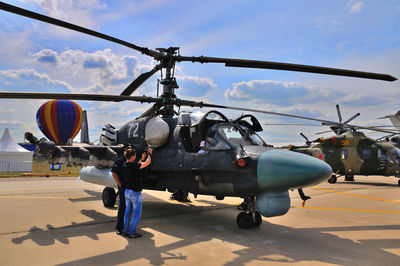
61, 221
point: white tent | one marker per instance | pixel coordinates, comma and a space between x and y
13, 158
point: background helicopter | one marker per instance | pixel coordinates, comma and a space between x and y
351, 153
237, 162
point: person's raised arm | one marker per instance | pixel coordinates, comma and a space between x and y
148, 159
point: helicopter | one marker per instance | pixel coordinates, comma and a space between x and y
350, 152
237, 161
392, 138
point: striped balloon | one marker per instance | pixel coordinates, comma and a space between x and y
59, 120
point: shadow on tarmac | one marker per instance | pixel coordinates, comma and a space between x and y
198, 226
93, 196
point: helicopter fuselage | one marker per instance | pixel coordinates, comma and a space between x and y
352, 153
235, 162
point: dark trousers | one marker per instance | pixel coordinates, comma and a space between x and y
121, 209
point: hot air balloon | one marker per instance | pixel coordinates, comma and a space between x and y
59, 120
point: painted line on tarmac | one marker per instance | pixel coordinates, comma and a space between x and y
340, 209
36, 188
45, 197
355, 195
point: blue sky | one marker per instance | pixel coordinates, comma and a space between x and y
352, 34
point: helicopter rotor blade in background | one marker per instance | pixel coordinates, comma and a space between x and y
87, 97
351, 119
230, 62
308, 142
339, 113
292, 124
139, 81
57, 22
323, 132
287, 115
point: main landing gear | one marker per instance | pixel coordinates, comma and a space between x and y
250, 217
333, 178
109, 197
181, 196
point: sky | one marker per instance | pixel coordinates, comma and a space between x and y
350, 34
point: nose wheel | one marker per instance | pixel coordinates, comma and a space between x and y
251, 217
246, 220
332, 179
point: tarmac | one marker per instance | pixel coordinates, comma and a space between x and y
62, 221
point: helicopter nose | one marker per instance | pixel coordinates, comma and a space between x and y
283, 170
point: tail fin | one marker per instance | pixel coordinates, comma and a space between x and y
395, 119
84, 129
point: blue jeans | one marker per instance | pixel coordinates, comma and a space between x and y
133, 204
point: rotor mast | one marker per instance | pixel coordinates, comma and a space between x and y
168, 82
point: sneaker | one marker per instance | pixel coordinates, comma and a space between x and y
134, 235
118, 232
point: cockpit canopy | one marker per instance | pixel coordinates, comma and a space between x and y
228, 135
219, 132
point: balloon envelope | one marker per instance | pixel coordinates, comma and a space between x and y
59, 120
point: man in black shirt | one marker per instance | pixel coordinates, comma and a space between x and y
117, 175
133, 194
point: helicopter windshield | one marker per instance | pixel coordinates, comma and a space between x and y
395, 154
234, 136
254, 137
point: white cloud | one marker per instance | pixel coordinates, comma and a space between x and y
99, 71
355, 6
15, 46
30, 75
76, 12
19, 116
195, 87
276, 92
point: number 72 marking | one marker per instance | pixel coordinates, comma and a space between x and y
133, 130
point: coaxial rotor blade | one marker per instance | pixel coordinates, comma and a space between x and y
87, 97
139, 81
149, 112
231, 62
50, 20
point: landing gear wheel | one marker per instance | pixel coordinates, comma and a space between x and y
109, 197
332, 179
244, 220
243, 206
257, 219
180, 196
349, 177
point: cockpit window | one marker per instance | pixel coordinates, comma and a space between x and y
233, 135
395, 153
254, 137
